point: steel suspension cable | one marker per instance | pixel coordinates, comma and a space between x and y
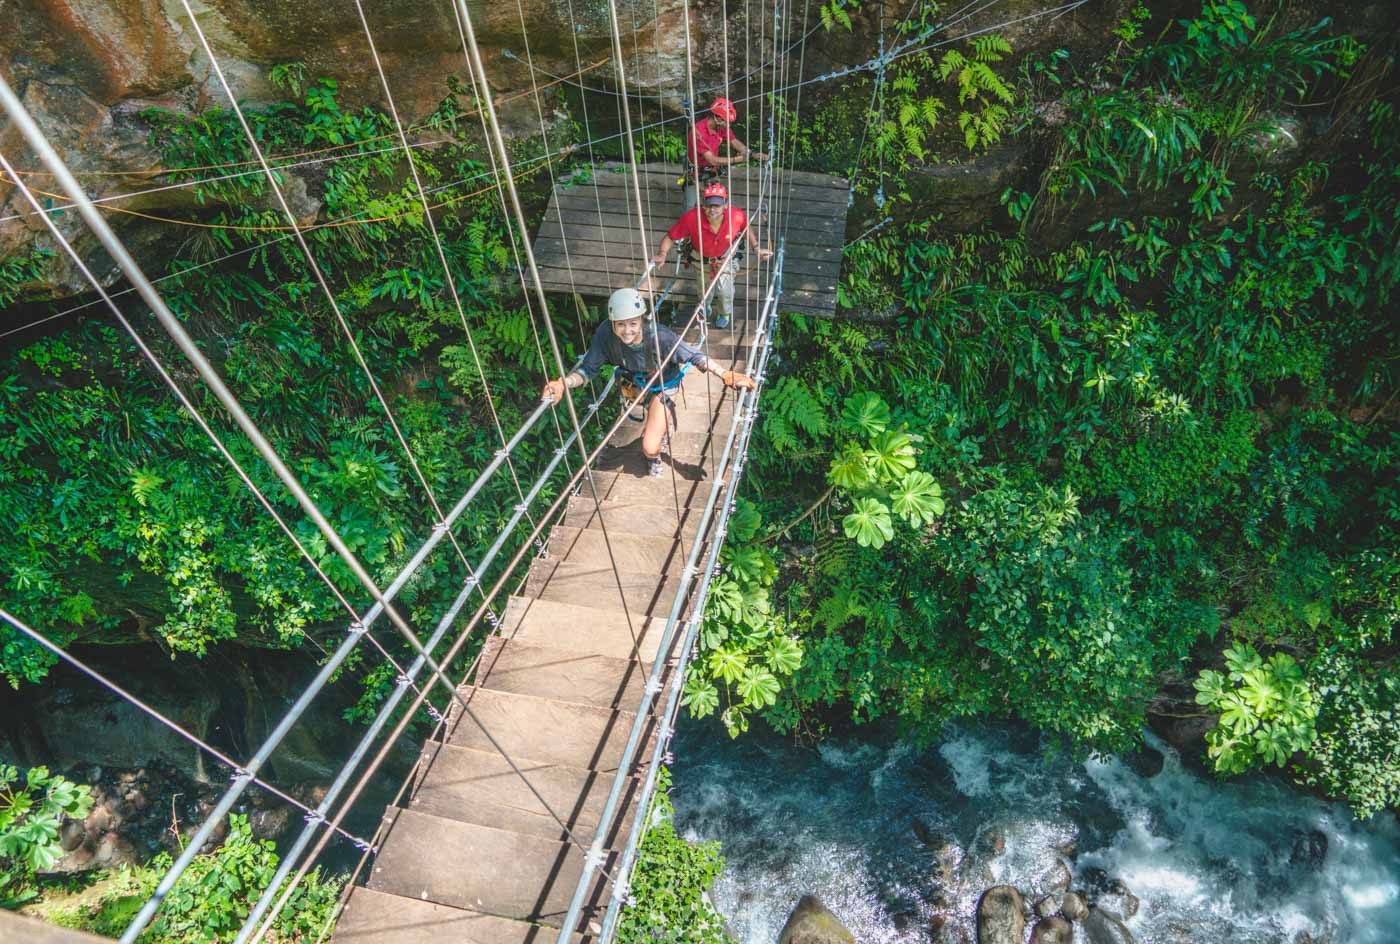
320, 277
21, 119
474, 60
476, 617
64, 655
194, 412
447, 273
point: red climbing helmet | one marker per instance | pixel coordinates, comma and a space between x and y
724, 108
714, 190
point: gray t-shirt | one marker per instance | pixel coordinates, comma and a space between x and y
639, 358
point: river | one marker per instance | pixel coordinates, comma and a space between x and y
1212, 862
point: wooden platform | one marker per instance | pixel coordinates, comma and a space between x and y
589, 241
473, 857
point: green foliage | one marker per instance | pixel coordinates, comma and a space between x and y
126, 526
669, 881
32, 809
1267, 710
215, 894
745, 648
834, 14
1358, 735
18, 271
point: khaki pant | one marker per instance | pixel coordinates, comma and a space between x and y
722, 297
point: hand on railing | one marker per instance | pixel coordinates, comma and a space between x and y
737, 381
553, 390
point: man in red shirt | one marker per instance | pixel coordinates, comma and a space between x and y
712, 230
704, 143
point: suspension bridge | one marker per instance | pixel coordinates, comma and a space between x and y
521, 819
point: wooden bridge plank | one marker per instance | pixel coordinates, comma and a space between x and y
543, 730
481, 787
527, 878
598, 218
572, 627
474, 855
373, 917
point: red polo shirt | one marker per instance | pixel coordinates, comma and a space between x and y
693, 226
707, 139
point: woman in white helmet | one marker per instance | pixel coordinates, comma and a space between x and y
629, 341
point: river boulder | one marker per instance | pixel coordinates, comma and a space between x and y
1309, 850
1073, 906
1118, 900
1052, 930
1001, 916
811, 922
1145, 761
1100, 927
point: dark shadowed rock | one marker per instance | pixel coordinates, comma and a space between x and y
1073, 906
1309, 850
811, 923
1146, 762
1053, 930
1100, 927
1001, 916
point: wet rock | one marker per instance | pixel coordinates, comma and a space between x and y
1047, 906
963, 191
1094, 880
1100, 927
1277, 138
927, 836
1118, 900
811, 923
1054, 880
989, 844
1309, 850
1146, 762
1186, 733
947, 861
1073, 906
1052, 930
270, 823
1000, 918
1070, 850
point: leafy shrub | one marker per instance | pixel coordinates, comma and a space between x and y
669, 881
1267, 710
215, 894
31, 811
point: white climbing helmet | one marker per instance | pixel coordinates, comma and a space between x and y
626, 303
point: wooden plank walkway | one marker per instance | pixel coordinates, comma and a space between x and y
589, 240
472, 857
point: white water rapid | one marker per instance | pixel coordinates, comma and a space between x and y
1211, 862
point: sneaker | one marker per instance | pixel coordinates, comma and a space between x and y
655, 469
722, 321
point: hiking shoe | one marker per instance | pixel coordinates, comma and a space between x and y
655, 469
722, 321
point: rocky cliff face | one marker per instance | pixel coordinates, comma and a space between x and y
86, 68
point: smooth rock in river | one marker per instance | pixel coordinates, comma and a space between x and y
1118, 901
1000, 916
1047, 906
1100, 927
1054, 880
1073, 906
1052, 930
811, 923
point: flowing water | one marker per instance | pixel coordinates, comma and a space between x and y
1211, 862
